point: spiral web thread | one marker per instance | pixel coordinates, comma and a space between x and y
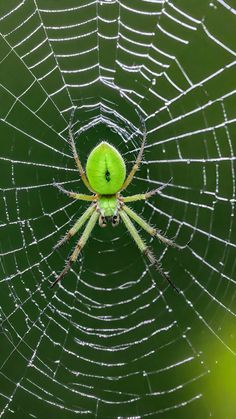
115, 347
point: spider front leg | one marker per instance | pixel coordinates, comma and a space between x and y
150, 230
81, 243
79, 223
143, 248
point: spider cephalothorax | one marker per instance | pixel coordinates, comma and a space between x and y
105, 177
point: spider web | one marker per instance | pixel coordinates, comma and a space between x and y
114, 340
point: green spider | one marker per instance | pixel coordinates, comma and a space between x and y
105, 177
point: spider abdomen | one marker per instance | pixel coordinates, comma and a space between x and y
105, 169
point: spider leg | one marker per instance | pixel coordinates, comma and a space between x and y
82, 241
78, 224
75, 155
153, 231
146, 195
136, 164
143, 248
75, 195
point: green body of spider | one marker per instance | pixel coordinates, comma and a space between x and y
108, 205
105, 169
105, 177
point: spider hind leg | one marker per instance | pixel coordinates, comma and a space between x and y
75, 154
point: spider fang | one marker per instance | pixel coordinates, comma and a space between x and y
102, 221
115, 220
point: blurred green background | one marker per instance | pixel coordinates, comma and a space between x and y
114, 340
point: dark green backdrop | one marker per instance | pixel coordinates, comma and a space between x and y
114, 340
